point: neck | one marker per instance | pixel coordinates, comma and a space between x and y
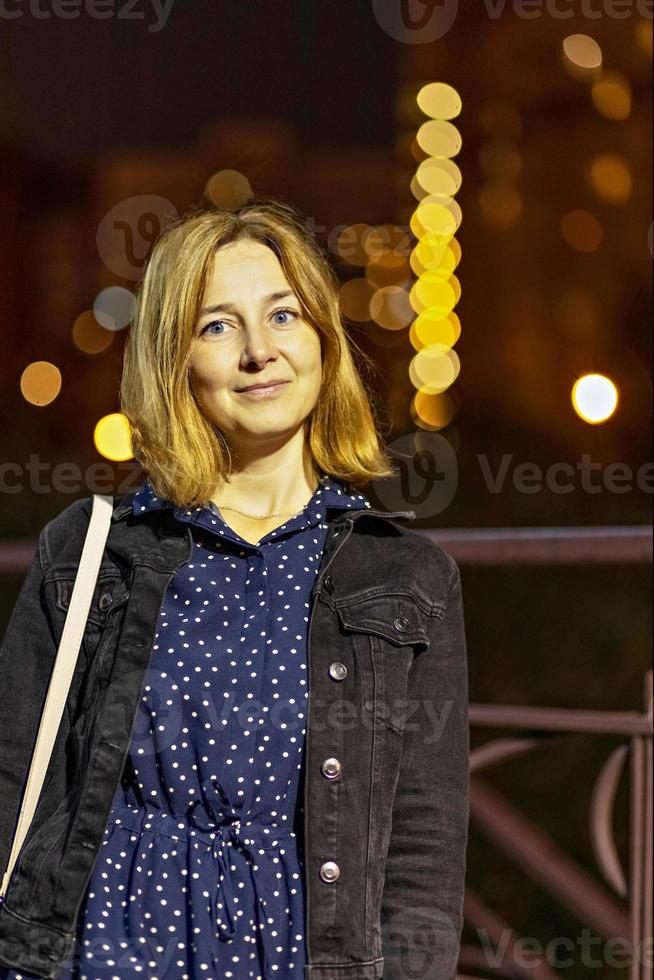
270, 486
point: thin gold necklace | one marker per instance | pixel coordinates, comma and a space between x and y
264, 517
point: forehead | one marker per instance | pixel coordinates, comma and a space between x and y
245, 263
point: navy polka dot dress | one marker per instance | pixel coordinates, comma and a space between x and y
199, 874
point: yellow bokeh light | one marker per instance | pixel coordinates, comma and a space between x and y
89, 336
441, 220
112, 437
439, 138
438, 100
432, 411
439, 333
40, 383
594, 398
611, 95
433, 372
583, 51
390, 308
610, 175
441, 260
436, 180
430, 292
228, 189
581, 230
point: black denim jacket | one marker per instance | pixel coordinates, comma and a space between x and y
383, 835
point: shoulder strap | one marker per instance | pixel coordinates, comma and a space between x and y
64, 667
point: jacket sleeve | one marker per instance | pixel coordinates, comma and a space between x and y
422, 900
27, 656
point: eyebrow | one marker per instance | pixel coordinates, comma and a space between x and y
230, 308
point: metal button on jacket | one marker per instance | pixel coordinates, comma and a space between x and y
329, 871
331, 768
337, 671
105, 601
401, 624
328, 582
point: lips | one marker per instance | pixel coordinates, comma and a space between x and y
265, 384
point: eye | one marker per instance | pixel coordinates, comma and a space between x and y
285, 312
214, 323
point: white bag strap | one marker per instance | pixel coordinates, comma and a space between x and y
64, 667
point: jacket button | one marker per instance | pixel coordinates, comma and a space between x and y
331, 768
328, 583
337, 671
105, 601
401, 624
329, 871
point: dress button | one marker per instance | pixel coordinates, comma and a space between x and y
329, 871
105, 601
331, 768
401, 624
337, 671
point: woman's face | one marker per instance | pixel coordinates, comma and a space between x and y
251, 331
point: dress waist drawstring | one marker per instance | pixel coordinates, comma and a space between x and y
223, 834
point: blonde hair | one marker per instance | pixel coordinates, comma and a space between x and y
184, 454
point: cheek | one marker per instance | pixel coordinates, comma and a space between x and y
209, 374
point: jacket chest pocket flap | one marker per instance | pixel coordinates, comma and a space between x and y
395, 617
110, 593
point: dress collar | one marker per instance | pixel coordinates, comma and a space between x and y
330, 495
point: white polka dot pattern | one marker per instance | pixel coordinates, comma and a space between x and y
199, 874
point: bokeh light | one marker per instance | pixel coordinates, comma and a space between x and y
611, 95
355, 296
40, 383
439, 333
582, 51
432, 411
114, 307
89, 336
112, 437
594, 397
228, 189
390, 308
439, 138
581, 230
433, 372
611, 177
439, 101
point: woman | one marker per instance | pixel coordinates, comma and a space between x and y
254, 428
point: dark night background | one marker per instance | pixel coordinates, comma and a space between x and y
315, 102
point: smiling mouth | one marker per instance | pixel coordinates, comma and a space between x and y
263, 390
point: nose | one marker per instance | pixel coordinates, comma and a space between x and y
258, 346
